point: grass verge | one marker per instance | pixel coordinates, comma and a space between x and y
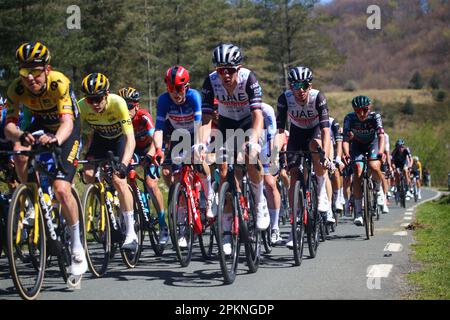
432, 251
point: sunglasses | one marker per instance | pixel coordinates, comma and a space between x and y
300, 85
227, 70
361, 110
132, 105
178, 88
24, 72
94, 99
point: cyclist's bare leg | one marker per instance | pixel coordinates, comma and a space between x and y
155, 193
69, 208
167, 176
21, 162
321, 174
284, 177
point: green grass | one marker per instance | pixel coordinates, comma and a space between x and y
432, 251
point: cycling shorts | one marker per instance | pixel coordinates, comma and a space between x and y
100, 147
299, 141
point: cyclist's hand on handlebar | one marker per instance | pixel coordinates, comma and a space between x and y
158, 157
346, 159
47, 139
199, 151
122, 170
26, 139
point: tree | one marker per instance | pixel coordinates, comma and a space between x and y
416, 81
408, 107
434, 82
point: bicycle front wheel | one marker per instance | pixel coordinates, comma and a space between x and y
181, 230
26, 243
313, 223
227, 233
367, 204
131, 258
97, 231
298, 227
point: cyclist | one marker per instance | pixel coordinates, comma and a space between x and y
143, 134
181, 105
48, 95
416, 171
106, 121
402, 160
239, 98
6, 162
386, 169
363, 132
308, 111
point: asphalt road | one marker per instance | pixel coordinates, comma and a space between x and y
346, 267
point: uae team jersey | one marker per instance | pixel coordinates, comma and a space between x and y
314, 112
246, 96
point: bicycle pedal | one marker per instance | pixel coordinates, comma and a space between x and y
74, 282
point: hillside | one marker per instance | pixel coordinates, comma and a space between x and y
414, 36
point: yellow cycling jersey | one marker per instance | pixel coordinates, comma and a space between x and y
111, 122
56, 101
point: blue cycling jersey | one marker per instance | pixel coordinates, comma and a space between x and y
364, 132
180, 116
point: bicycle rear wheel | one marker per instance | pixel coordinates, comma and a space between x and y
229, 231
182, 231
367, 204
153, 228
298, 226
97, 231
131, 258
26, 243
249, 232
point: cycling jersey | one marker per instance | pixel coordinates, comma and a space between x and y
270, 121
335, 133
56, 101
364, 132
387, 147
246, 96
400, 155
112, 122
180, 116
314, 112
143, 128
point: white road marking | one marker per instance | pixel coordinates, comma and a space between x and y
408, 213
379, 270
407, 218
401, 233
410, 209
404, 225
393, 247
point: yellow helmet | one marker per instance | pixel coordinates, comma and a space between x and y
129, 94
95, 84
33, 53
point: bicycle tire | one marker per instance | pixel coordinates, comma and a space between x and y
153, 229
228, 263
130, 258
266, 236
298, 226
312, 225
180, 225
367, 205
26, 238
65, 259
250, 233
97, 231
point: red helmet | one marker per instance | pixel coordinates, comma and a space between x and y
177, 78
